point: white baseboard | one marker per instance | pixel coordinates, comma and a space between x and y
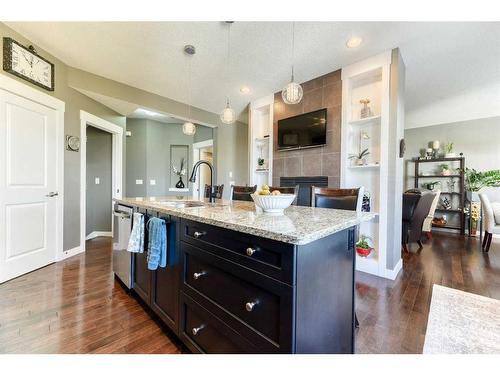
392, 274
71, 252
98, 234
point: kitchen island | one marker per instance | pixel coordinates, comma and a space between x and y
242, 281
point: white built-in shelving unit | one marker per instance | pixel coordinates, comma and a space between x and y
380, 79
260, 140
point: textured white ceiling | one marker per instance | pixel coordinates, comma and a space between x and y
441, 58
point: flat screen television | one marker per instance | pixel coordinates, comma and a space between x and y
306, 130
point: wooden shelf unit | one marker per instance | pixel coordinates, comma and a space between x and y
460, 193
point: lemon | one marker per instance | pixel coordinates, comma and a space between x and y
265, 187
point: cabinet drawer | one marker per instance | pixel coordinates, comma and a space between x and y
272, 258
203, 332
264, 304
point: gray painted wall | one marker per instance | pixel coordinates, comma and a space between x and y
203, 133
231, 157
99, 154
75, 102
148, 156
477, 139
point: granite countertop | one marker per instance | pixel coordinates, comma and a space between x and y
462, 323
298, 225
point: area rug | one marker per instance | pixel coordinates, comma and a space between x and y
461, 323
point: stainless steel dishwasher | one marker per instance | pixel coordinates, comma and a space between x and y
122, 259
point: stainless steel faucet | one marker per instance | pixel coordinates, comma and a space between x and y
211, 195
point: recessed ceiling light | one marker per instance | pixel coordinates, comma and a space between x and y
244, 89
354, 42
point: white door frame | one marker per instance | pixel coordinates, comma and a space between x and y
196, 156
116, 163
35, 95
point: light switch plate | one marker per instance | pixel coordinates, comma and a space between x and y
138, 182
152, 182
97, 180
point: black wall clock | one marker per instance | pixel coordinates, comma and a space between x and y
25, 63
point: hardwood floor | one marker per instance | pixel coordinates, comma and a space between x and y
76, 306
393, 314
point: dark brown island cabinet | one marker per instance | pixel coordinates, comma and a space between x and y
230, 292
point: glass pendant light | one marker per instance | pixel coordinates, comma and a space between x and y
292, 93
188, 127
227, 116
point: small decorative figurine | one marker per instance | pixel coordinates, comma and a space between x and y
365, 205
179, 172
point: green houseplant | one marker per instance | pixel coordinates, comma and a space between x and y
476, 180
360, 157
363, 248
448, 149
445, 169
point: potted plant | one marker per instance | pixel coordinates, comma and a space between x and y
445, 169
260, 162
475, 181
179, 172
363, 248
448, 149
359, 158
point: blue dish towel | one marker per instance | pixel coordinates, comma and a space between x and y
136, 240
157, 243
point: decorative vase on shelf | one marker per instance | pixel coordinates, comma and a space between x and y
365, 111
179, 184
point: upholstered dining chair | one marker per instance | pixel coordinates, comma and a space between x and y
242, 193
491, 215
416, 207
343, 199
287, 190
427, 225
219, 189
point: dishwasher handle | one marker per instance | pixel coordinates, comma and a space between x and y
121, 214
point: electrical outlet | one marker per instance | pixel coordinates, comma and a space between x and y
128, 133
138, 182
152, 182
230, 174
97, 180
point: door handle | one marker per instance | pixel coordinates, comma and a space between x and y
52, 194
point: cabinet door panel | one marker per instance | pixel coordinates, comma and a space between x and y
142, 277
165, 281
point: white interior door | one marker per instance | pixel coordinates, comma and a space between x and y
28, 182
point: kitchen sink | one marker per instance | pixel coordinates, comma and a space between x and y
182, 204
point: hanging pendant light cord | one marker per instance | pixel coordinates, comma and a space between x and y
189, 88
227, 60
293, 48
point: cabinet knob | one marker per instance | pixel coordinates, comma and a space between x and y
197, 329
197, 275
250, 251
250, 305
199, 234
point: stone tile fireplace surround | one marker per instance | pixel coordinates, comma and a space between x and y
321, 92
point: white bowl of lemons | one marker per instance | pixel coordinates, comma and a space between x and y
272, 201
